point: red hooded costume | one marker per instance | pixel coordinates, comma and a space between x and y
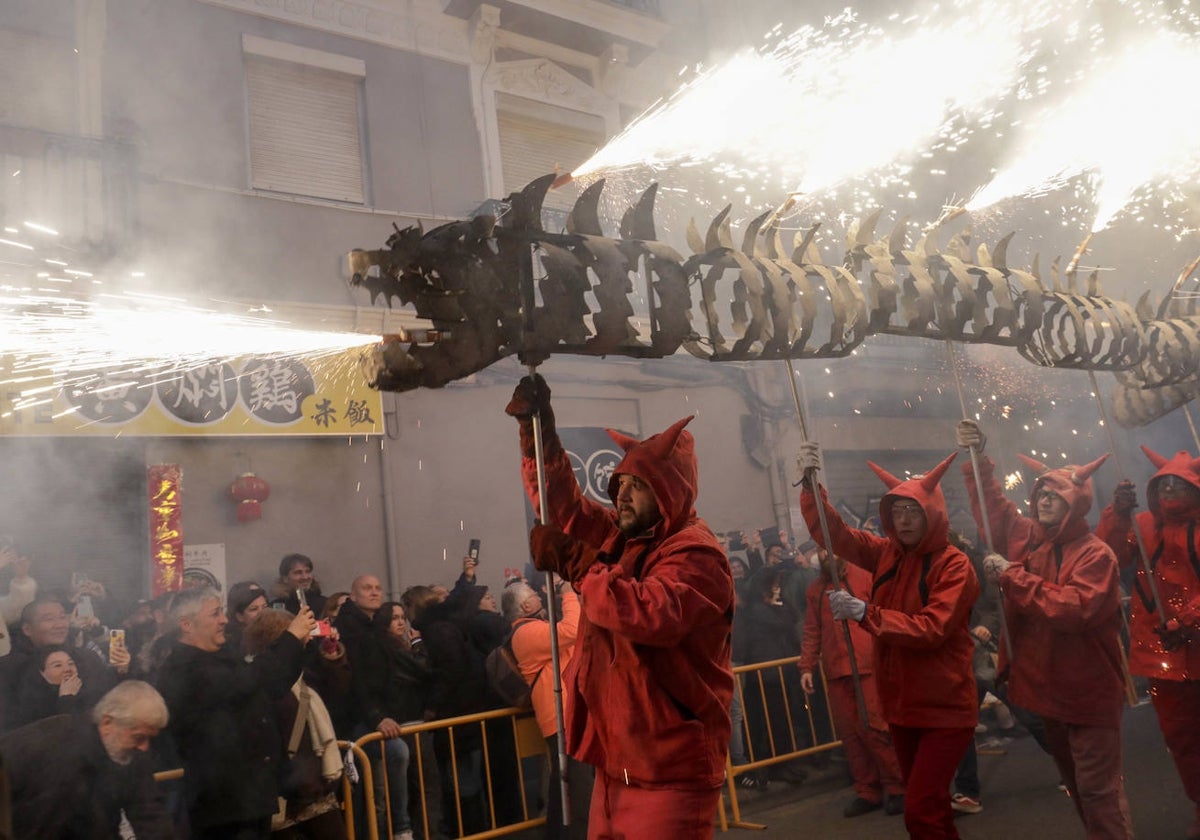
1172, 539
1062, 599
919, 606
648, 690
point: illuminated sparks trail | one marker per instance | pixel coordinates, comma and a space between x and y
48, 341
1125, 126
832, 103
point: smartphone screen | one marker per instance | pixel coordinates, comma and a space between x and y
302, 598
473, 550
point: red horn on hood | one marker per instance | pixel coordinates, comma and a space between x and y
662, 443
1033, 464
890, 481
1157, 460
1083, 473
930, 480
624, 441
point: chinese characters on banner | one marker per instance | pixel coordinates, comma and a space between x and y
164, 482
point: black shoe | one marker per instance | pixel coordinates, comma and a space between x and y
752, 781
860, 806
894, 806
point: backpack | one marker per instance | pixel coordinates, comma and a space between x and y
504, 675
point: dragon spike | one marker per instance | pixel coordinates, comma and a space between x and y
806, 242
1144, 310
584, 217
1165, 306
899, 238
983, 256
712, 240
772, 244
693, 238
1000, 253
638, 221
1058, 286
750, 236
525, 211
865, 232
1036, 269
1093, 283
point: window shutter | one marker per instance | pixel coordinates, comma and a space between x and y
535, 139
304, 130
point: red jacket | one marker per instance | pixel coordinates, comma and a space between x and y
648, 690
919, 607
824, 638
1172, 539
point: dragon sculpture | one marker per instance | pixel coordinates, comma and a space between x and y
478, 282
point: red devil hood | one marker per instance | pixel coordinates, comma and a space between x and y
1073, 483
667, 462
1182, 465
926, 492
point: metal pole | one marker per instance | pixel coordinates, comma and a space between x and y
1191, 425
556, 671
815, 485
987, 523
1143, 555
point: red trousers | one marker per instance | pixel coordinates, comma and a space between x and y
869, 752
1089, 761
1177, 704
623, 812
929, 758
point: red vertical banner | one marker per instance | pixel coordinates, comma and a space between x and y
164, 482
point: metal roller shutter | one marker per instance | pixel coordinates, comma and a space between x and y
304, 130
536, 137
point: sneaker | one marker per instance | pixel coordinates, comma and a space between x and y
895, 805
860, 806
965, 804
403, 835
980, 728
751, 781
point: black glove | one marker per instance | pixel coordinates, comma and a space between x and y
1172, 634
1124, 498
530, 397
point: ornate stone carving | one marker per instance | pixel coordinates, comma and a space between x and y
544, 80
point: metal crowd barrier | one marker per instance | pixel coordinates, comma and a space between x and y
786, 671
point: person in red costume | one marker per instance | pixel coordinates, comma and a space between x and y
868, 747
918, 610
1062, 600
1167, 651
648, 689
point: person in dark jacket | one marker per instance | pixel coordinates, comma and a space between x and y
99, 769
53, 686
296, 574
222, 719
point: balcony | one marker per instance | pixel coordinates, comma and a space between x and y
587, 26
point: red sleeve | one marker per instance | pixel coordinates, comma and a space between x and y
1009, 527
683, 588
953, 589
585, 520
862, 548
1116, 530
810, 640
1088, 597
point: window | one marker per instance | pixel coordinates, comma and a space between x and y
535, 137
304, 122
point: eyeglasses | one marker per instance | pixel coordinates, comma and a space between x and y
911, 511
1171, 482
1047, 496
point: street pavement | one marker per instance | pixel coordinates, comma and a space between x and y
1020, 798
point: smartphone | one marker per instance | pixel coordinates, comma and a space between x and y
302, 598
116, 639
83, 607
473, 550
78, 579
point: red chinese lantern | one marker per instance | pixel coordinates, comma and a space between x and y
249, 491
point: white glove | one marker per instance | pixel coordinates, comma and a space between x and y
994, 565
846, 607
809, 457
969, 436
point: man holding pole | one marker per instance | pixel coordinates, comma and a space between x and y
1165, 624
1062, 596
917, 608
649, 686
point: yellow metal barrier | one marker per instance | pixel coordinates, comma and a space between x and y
527, 741
755, 672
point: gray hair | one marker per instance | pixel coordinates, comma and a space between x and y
131, 703
515, 595
187, 602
